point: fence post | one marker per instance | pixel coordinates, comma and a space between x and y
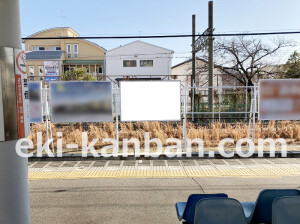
253, 114
117, 116
46, 115
184, 118
246, 107
193, 99
220, 98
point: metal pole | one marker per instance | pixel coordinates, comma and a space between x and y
14, 191
211, 56
117, 115
48, 122
47, 118
193, 64
219, 104
250, 115
51, 136
246, 107
254, 112
184, 118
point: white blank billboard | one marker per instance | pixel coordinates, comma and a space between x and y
150, 101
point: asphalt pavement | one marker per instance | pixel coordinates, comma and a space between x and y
135, 200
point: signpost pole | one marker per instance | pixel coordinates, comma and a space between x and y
254, 112
14, 192
193, 66
117, 115
211, 59
184, 117
246, 103
47, 116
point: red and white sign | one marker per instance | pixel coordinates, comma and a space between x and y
279, 99
22, 93
21, 62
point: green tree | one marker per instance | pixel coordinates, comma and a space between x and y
292, 66
78, 74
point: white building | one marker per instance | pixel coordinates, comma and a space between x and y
183, 72
138, 60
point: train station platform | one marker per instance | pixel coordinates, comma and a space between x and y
242, 168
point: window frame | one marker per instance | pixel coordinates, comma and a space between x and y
41, 74
74, 52
69, 53
39, 48
87, 67
31, 74
146, 65
130, 66
100, 67
55, 48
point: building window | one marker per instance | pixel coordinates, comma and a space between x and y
55, 48
69, 50
100, 70
31, 70
41, 71
66, 68
129, 63
37, 48
75, 50
146, 63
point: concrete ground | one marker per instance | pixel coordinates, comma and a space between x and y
98, 192
134, 200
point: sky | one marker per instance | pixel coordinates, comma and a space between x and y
136, 17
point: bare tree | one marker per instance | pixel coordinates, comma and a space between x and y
245, 59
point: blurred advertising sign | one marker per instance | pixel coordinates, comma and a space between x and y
81, 102
51, 69
35, 102
279, 99
22, 93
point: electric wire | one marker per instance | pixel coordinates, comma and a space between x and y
167, 36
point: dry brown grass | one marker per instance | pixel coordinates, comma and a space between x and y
211, 135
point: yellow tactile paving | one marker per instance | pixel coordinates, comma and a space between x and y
176, 171
165, 171
209, 170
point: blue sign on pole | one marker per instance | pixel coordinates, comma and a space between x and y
51, 78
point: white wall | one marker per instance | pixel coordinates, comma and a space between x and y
184, 72
138, 51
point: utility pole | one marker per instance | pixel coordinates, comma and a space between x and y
14, 192
211, 56
193, 77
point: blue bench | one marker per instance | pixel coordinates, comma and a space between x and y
286, 210
219, 211
261, 210
186, 210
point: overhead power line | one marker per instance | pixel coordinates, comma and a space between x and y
166, 36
